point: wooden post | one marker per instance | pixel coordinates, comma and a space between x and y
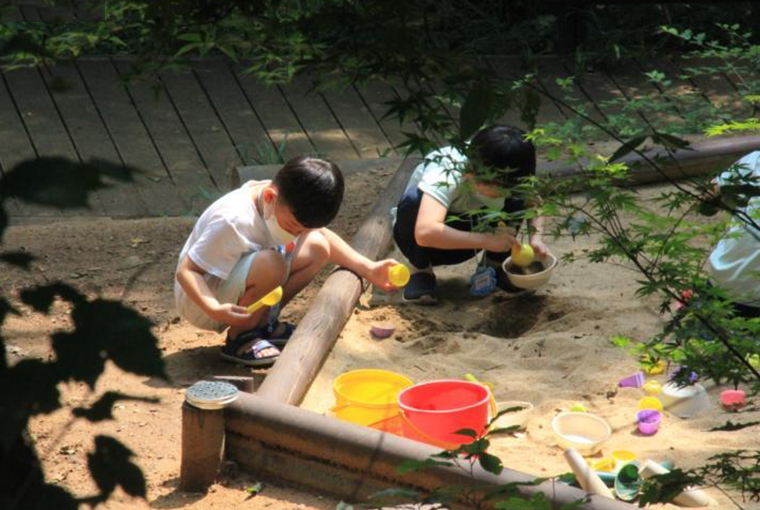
202, 447
242, 382
305, 352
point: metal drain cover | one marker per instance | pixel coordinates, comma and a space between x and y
211, 395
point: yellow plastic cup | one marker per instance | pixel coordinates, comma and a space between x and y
652, 388
368, 396
271, 299
650, 403
622, 457
399, 275
606, 464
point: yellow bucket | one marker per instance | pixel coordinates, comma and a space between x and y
368, 396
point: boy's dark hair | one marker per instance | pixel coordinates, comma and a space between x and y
312, 188
501, 147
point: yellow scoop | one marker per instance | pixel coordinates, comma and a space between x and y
270, 299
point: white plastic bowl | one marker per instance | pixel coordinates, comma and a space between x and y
583, 432
531, 281
684, 402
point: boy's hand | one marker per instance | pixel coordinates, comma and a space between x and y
539, 248
378, 274
500, 242
231, 314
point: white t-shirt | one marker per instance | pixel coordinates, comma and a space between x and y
227, 230
734, 264
440, 175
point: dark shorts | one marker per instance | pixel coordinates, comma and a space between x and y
421, 257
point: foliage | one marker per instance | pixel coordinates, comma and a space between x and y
468, 458
448, 91
104, 331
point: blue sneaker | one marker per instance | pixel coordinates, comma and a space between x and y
421, 289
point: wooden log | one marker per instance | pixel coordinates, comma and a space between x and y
294, 371
241, 382
710, 156
202, 447
352, 462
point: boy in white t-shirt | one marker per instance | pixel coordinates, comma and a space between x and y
256, 238
449, 184
734, 264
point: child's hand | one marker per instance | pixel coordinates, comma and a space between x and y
500, 242
231, 314
378, 274
539, 248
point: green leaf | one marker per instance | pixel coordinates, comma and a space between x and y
467, 432
255, 488
628, 147
410, 466
343, 506
620, 341
670, 141
529, 108
491, 463
505, 430
475, 109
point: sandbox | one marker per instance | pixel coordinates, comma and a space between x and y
267, 433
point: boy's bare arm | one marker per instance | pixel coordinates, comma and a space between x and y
430, 231
341, 254
190, 277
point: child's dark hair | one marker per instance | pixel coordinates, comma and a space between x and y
502, 147
312, 188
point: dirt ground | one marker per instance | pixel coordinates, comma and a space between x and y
551, 348
134, 261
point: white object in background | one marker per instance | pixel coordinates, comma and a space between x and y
587, 479
531, 281
686, 401
690, 497
583, 432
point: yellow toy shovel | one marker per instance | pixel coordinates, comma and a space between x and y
270, 299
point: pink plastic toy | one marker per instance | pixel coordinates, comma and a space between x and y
732, 399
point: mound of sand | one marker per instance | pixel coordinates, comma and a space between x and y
551, 348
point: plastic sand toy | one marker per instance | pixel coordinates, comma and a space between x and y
270, 299
523, 255
399, 275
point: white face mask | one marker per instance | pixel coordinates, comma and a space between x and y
496, 203
279, 235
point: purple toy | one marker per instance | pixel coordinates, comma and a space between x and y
632, 381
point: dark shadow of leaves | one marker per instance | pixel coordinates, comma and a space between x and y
60, 182
41, 298
101, 410
20, 259
110, 466
29, 387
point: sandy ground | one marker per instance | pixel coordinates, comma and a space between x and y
134, 261
551, 349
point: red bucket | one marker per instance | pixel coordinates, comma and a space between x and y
440, 408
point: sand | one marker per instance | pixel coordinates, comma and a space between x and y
551, 348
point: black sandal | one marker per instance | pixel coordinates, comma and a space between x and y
246, 351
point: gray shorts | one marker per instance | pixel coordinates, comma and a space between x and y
225, 291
